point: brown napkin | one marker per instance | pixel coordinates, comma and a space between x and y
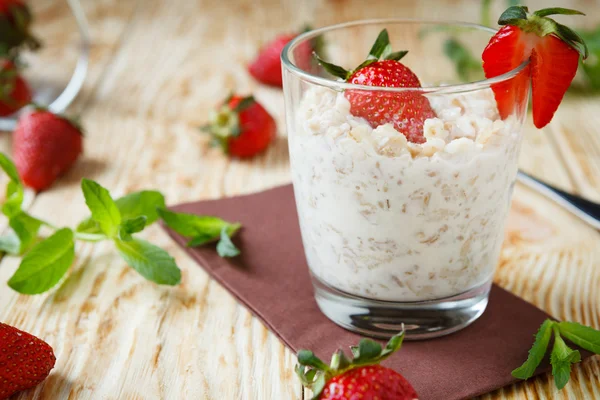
271, 278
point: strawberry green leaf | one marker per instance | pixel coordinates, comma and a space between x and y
381, 45
572, 38
150, 261
130, 226
396, 56
244, 103
556, 10
513, 14
45, 264
103, 208
339, 361
583, 336
142, 203
318, 386
333, 69
392, 345
225, 246
537, 351
307, 358
561, 359
367, 351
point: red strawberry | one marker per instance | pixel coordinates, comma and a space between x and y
242, 127
25, 360
359, 378
14, 91
15, 21
407, 110
553, 50
266, 67
45, 146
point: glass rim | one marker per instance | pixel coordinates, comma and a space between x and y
459, 87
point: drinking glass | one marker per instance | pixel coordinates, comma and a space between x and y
45, 94
400, 234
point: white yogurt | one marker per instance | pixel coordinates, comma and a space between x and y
390, 220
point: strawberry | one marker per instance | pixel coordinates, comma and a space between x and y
553, 52
241, 127
25, 360
14, 91
406, 110
266, 67
15, 21
45, 146
359, 378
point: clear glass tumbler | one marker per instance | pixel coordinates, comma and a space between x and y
395, 232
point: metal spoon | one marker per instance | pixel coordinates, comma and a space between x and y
586, 210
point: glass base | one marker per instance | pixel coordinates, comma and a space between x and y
383, 319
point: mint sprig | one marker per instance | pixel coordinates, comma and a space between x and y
202, 230
47, 261
562, 356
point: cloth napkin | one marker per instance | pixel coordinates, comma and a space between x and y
271, 278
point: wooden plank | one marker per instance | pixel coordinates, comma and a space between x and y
118, 336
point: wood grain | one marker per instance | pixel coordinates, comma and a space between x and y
158, 67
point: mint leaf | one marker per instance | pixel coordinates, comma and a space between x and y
152, 262
133, 205
537, 351
561, 359
14, 199
103, 208
45, 264
14, 189
201, 228
583, 336
130, 226
10, 243
25, 228
225, 247
9, 168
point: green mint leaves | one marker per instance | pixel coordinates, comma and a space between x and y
152, 262
537, 351
562, 356
202, 230
103, 208
46, 261
45, 264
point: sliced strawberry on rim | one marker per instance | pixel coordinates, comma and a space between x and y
553, 50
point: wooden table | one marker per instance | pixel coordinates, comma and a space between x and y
158, 66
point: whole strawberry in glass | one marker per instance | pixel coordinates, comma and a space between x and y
406, 110
359, 378
15, 24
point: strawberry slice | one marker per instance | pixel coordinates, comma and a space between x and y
553, 50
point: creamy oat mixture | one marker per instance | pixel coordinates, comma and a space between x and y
391, 220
